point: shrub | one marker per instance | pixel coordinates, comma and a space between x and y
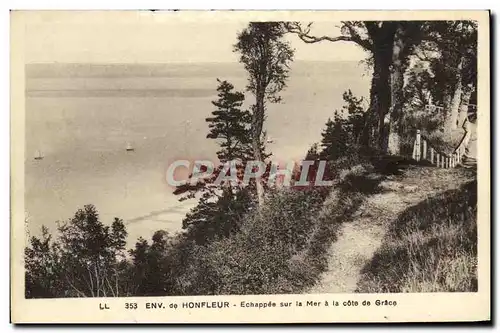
86, 259
280, 248
255, 259
430, 247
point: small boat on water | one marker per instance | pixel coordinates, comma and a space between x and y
270, 140
129, 147
38, 155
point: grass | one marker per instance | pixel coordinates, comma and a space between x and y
356, 185
430, 247
283, 247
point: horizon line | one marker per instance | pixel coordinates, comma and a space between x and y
167, 63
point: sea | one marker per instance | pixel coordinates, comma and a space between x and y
81, 117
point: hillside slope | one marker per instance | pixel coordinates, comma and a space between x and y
359, 240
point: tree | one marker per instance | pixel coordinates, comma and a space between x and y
266, 57
343, 133
213, 219
418, 89
219, 204
89, 252
140, 265
389, 44
453, 62
229, 124
417, 95
354, 112
151, 270
43, 272
335, 140
407, 36
86, 260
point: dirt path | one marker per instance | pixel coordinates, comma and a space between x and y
358, 240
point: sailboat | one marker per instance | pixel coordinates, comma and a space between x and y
38, 155
129, 147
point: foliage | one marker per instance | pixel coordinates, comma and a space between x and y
431, 247
454, 42
341, 145
342, 135
230, 127
219, 205
42, 278
266, 57
152, 274
389, 45
255, 259
85, 260
229, 124
445, 64
212, 219
280, 248
234, 244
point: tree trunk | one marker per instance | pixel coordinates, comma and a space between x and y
464, 104
379, 97
446, 106
454, 104
257, 126
392, 120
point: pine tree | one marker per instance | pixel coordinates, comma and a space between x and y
344, 132
219, 205
151, 270
229, 124
335, 138
355, 115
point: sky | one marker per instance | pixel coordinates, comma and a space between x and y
145, 37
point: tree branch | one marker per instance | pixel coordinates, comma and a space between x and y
80, 293
356, 38
304, 34
116, 283
91, 281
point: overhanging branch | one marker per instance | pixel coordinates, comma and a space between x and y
304, 34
